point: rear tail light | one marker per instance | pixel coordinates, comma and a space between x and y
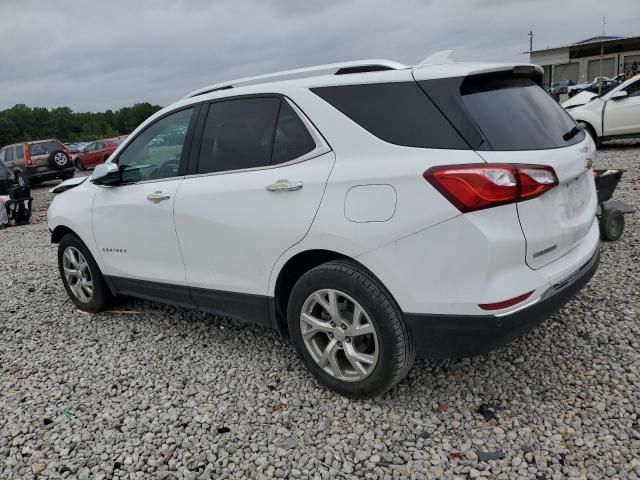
505, 303
27, 155
477, 186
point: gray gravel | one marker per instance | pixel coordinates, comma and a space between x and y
150, 391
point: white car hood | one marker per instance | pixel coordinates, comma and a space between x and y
579, 99
67, 184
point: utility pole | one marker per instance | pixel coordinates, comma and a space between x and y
604, 21
530, 41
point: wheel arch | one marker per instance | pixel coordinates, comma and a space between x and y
292, 270
59, 232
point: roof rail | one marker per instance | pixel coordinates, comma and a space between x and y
342, 68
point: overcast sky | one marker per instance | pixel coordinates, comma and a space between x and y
92, 55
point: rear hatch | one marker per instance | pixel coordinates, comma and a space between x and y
40, 152
506, 117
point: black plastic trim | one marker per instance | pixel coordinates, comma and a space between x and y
242, 306
458, 336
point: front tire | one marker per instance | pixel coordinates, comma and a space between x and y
348, 330
81, 276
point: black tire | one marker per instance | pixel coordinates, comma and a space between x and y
611, 224
101, 297
79, 165
396, 350
59, 159
21, 180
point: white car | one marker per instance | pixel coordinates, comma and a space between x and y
373, 211
579, 99
615, 114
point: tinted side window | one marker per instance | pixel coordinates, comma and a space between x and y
3, 155
238, 134
19, 152
9, 154
292, 138
633, 90
398, 113
44, 148
157, 151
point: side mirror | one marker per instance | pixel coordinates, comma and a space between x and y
619, 95
106, 174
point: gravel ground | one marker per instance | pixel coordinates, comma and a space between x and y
150, 391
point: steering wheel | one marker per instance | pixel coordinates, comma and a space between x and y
169, 168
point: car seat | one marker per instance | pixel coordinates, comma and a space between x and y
18, 207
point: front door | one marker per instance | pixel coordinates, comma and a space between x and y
622, 117
133, 222
262, 172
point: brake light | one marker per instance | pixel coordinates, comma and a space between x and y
477, 186
505, 303
27, 155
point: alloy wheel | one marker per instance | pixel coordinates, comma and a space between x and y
77, 274
60, 159
339, 335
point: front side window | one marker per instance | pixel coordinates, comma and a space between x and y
633, 90
156, 152
99, 145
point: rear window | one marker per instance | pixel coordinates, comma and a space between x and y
43, 148
398, 113
500, 112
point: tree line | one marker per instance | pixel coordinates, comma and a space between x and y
22, 123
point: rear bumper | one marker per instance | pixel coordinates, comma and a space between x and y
52, 174
456, 336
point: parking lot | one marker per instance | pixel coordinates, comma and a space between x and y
151, 391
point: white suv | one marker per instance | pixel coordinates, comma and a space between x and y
375, 212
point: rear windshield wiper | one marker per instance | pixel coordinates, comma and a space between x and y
573, 132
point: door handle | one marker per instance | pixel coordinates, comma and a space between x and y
158, 197
285, 186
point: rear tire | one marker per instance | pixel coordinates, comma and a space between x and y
611, 224
342, 357
81, 276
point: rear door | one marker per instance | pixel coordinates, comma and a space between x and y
508, 118
259, 180
622, 116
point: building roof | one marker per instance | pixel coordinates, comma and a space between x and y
599, 38
607, 39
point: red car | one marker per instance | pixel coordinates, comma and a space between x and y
96, 153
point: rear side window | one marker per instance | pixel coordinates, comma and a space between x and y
44, 148
398, 113
19, 152
292, 139
503, 111
252, 133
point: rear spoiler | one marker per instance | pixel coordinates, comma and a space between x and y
431, 71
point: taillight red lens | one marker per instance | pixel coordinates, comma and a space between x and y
476, 186
27, 155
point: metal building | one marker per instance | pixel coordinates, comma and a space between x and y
584, 61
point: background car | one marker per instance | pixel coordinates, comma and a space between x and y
7, 180
614, 115
37, 161
75, 148
594, 87
561, 87
96, 153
